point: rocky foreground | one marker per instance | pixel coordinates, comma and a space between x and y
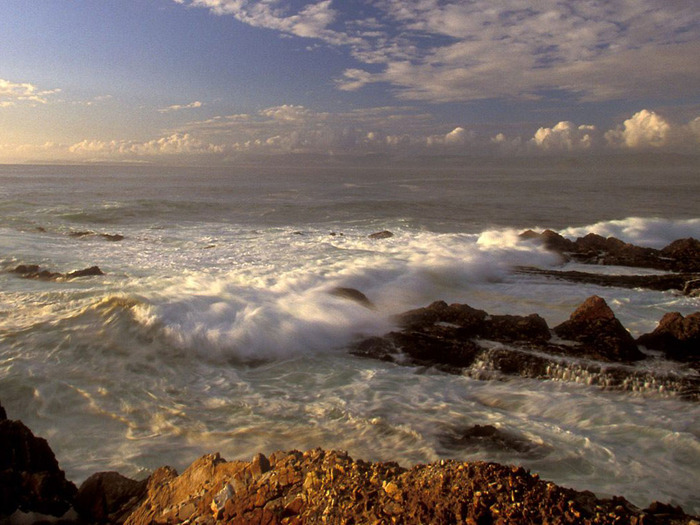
316, 486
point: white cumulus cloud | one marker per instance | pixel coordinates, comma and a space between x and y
565, 136
12, 93
643, 130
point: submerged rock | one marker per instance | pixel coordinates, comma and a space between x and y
353, 295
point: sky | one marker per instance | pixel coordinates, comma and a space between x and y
220, 81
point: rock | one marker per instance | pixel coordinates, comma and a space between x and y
677, 336
682, 255
685, 282
353, 295
594, 324
108, 497
459, 339
480, 437
87, 272
381, 235
320, 486
685, 254
33, 271
30, 478
112, 237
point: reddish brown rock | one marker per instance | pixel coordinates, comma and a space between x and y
321, 486
595, 326
30, 478
677, 336
109, 497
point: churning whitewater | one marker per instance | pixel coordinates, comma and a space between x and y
215, 326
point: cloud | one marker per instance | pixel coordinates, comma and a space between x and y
12, 93
645, 129
313, 20
565, 136
453, 50
178, 107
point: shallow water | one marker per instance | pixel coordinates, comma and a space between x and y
214, 329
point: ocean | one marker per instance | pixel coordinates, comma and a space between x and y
214, 329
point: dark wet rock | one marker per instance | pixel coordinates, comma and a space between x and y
112, 237
320, 486
33, 271
385, 234
353, 295
109, 497
677, 336
489, 437
692, 288
594, 348
682, 255
675, 281
685, 254
595, 326
87, 272
30, 478
79, 234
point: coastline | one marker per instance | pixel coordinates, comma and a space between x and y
304, 487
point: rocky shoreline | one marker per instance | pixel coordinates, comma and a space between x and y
325, 486
316, 486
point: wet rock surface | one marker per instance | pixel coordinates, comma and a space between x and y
682, 255
592, 346
33, 271
686, 283
677, 336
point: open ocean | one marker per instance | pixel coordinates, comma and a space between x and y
214, 330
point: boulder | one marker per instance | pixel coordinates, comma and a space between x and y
385, 234
109, 497
677, 336
353, 295
594, 325
685, 254
30, 478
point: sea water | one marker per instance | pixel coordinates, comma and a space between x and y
214, 327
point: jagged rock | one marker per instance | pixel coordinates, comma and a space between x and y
87, 272
108, 497
677, 336
595, 326
685, 253
353, 295
682, 255
321, 486
385, 234
685, 282
33, 271
30, 478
